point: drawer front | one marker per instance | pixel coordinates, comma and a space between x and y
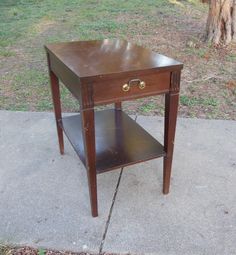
130, 88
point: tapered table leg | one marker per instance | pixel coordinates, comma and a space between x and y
171, 110
118, 106
90, 154
57, 108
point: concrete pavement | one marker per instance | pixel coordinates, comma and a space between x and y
44, 199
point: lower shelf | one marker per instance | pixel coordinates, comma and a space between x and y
120, 141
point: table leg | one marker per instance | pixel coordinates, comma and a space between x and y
90, 154
57, 108
171, 109
118, 106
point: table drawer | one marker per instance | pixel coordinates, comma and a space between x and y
130, 87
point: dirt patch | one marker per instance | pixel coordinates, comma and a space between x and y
6, 250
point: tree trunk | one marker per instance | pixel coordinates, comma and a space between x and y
221, 22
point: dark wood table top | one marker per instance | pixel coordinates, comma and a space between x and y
109, 57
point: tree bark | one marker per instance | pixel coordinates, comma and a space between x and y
221, 22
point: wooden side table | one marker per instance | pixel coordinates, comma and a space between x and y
111, 71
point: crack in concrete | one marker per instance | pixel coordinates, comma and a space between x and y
112, 205
110, 213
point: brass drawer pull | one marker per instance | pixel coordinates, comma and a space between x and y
126, 87
141, 84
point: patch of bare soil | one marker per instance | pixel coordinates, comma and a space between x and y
209, 75
32, 251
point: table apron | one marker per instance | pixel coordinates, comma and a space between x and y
65, 75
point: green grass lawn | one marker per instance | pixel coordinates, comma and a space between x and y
162, 25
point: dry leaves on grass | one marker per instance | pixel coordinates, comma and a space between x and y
231, 85
6, 250
33, 251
